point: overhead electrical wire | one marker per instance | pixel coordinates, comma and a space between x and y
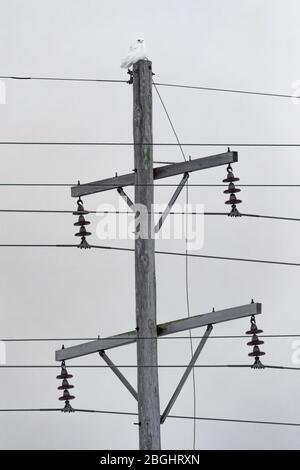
134, 366
95, 338
50, 211
227, 90
120, 366
203, 185
160, 144
157, 84
197, 255
61, 79
129, 413
172, 253
161, 252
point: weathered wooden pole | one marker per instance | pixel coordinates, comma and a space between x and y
145, 282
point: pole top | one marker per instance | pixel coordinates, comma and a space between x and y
143, 64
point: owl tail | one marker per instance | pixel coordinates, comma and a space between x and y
125, 64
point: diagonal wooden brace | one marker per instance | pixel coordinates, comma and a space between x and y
186, 374
125, 197
119, 374
171, 202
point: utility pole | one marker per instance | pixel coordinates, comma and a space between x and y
147, 331
145, 281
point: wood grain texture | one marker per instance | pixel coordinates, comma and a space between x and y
145, 282
119, 374
161, 172
171, 203
163, 329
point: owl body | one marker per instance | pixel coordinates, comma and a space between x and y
136, 52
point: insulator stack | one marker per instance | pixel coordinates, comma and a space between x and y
65, 386
255, 342
81, 223
232, 190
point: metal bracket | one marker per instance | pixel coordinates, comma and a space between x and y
186, 374
130, 81
119, 374
171, 202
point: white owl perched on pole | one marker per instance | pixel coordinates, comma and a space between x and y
136, 52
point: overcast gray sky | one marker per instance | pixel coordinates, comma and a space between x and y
249, 45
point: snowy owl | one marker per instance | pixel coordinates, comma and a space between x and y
136, 52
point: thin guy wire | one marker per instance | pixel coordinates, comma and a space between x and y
170, 122
189, 314
186, 265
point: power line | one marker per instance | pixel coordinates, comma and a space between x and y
161, 144
194, 255
134, 366
61, 79
131, 213
39, 184
121, 366
172, 253
263, 216
15, 410
227, 90
94, 338
186, 254
172, 85
129, 413
35, 245
207, 185
231, 420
